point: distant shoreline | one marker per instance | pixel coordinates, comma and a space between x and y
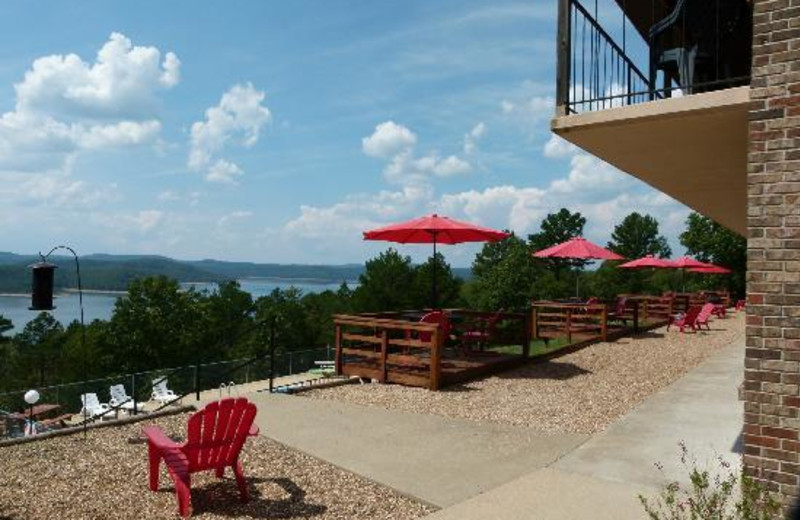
67, 292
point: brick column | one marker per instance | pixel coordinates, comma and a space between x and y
772, 362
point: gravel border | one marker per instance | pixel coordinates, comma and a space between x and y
105, 476
578, 392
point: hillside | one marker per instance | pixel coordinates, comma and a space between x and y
115, 272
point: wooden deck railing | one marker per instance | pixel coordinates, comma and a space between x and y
551, 320
394, 347
374, 344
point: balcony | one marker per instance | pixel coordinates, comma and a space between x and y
661, 93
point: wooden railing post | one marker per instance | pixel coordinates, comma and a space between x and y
569, 325
436, 359
535, 323
564, 57
604, 323
338, 341
636, 317
384, 354
526, 335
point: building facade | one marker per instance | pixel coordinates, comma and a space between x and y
707, 110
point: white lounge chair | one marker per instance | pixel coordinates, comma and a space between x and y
161, 393
120, 399
92, 407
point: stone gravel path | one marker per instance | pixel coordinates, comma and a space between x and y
581, 392
105, 476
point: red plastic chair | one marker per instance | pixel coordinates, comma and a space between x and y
685, 320
215, 436
481, 335
441, 319
705, 315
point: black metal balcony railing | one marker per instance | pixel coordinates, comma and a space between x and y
700, 45
594, 72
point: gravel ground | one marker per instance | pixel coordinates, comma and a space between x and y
106, 477
582, 392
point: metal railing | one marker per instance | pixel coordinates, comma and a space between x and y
186, 382
594, 72
694, 49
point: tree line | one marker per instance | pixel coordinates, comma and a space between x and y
159, 324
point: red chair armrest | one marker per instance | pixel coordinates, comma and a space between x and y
157, 438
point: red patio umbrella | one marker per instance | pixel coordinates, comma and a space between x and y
578, 248
687, 262
647, 261
714, 269
433, 229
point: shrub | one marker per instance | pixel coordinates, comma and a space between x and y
725, 495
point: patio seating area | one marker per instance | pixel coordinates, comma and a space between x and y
572, 391
416, 348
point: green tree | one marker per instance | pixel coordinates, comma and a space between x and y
711, 242
158, 325
320, 308
448, 286
385, 283
100, 359
40, 347
504, 276
555, 229
637, 236
283, 309
7, 355
229, 321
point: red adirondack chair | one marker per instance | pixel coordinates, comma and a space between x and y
483, 332
685, 320
215, 436
441, 319
705, 315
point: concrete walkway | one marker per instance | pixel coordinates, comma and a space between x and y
602, 478
438, 460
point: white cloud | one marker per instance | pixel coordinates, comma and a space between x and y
224, 172
234, 215
121, 83
167, 196
530, 110
471, 139
239, 116
396, 143
600, 192
557, 148
66, 107
388, 140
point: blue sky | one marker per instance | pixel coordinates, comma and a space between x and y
277, 131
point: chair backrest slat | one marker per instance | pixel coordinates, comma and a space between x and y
118, 393
691, 315
705, 312
160, 386
220, 432
217, 433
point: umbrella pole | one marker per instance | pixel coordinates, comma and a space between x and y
434, 272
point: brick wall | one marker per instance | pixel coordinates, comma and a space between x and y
772, 363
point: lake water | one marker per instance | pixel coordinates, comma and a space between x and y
100, 305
